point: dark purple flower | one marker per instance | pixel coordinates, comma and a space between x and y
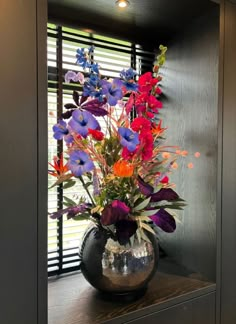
145, 188
124, 230
112, 91
164, 194
81, 121
164, 220
129, 138
79, 163
95, 107
60, 130
114, 212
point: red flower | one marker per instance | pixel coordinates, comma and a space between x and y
59, 167
96, 134
146, 82
146, 140
154, 103
141, 124
126, 154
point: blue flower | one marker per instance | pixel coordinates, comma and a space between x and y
60, 129
79, 163
81, 121
128, 77
81, 57
112, 91
129, 138
95, 68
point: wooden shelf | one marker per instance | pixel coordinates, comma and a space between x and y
73, 301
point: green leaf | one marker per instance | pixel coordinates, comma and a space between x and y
69, 202
147, 227
144, 236
138, 235
149, 212
69, 184
131, 239
142, 205
86, 185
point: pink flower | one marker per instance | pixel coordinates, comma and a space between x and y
141, 124
146, 82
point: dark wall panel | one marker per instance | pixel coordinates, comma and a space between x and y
19, 165
196, 311
190, 113
228, 274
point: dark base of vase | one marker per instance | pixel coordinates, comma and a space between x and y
126, 297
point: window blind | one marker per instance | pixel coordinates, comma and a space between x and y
112, 55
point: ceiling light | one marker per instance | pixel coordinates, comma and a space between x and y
122, 3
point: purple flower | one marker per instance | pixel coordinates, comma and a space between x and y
112, 91
164, 194
60, 130
145, 188
164, 220
71, 211
71, 75
129, 138
79, 163
81, 121
114, 212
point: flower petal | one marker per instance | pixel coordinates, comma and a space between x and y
164, 220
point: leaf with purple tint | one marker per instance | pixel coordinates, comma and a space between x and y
164, 194
76, 97
145, 188
70, 106
114, 212
67, 114
83, 99
124, 230
164, 220
95, 107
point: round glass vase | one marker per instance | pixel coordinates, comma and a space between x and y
118, 271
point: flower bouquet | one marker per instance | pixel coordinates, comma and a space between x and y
123, 166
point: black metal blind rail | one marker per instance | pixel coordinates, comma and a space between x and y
112, 55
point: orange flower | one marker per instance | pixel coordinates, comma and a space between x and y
166, 155
184, 153
123, 169
175, 165
197, 154
157, 130
59, 168
190, 165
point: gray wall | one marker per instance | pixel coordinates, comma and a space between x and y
23, 165
227, 275
190, 112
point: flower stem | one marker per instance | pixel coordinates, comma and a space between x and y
86, 189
